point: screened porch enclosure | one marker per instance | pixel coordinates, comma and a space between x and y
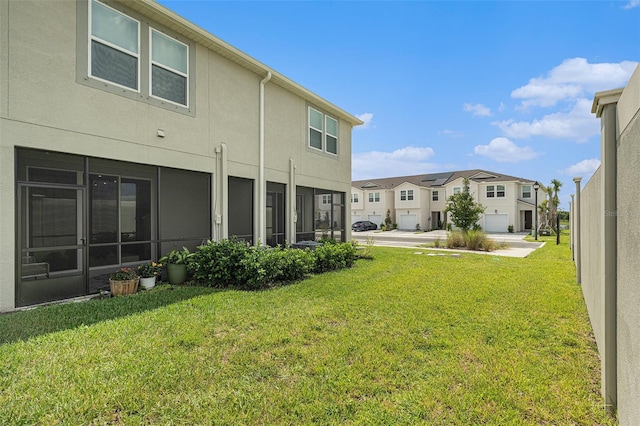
81, 218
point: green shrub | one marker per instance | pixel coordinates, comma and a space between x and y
455, 239
334, 256
264, 266
215, 264
478, 240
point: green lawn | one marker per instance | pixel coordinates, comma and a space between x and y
402, 339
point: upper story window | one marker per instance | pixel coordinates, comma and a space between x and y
115, 42
526, 191
406, 195
491, 191
500, 191
169, 68
354, 197
126, 51
457, 190
323, 132
326, 199
374, 197
434, 196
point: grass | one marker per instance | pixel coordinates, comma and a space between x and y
402, 339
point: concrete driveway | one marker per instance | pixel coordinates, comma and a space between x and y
517, 247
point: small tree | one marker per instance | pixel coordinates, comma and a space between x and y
464, 210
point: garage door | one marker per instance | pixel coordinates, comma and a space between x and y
496, 222
355, 218
408, 221
375, 218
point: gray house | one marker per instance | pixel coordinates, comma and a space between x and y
127, 131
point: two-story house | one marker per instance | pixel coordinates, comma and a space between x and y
418, 202
127, 131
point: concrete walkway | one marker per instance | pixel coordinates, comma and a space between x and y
411, 239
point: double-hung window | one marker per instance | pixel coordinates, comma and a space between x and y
374, 197
434, 196
526, 191
456, 190
115, 46
169, 68
354, 197
406, 195
323, 132
500, 191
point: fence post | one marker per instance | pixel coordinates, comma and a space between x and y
577, 229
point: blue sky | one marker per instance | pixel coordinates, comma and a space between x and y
505, 86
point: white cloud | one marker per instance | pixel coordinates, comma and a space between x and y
572, 79
478, 110
405, 161
584, 168
578, 124
367, 117
451, 133
505, 151
501, 107
632, 4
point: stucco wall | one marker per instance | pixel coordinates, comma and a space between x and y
47, 103
628, 236
591, 237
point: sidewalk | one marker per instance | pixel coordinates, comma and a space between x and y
412, 239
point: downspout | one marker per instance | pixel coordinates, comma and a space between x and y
223, 219
262, 185
291, 204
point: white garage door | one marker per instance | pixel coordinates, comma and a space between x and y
496, 222
355, 218
375, 218
408, 221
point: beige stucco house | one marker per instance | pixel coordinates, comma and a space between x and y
419, 201
127, 131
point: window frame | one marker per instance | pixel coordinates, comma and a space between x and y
374, 197
167, 68
435, 196
354, 197
324, 132
106, 43
526, 192
491, 191
457, 190
499, 191
406, 195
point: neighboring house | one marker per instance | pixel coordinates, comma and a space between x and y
127, 131
419, 201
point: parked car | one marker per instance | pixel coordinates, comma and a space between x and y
363, 225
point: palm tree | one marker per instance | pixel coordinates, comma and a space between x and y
554, 201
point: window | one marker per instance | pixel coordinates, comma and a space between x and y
406, 195
457, 190
169, 68
491, 191
323, 132
526, 191
115, 41
326, 198
126, 51
374, 197
354, 197
434, 196
500, 191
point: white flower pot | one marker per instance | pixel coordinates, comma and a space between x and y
148, 283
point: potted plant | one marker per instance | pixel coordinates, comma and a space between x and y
124, 281
148, 273
177, 262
